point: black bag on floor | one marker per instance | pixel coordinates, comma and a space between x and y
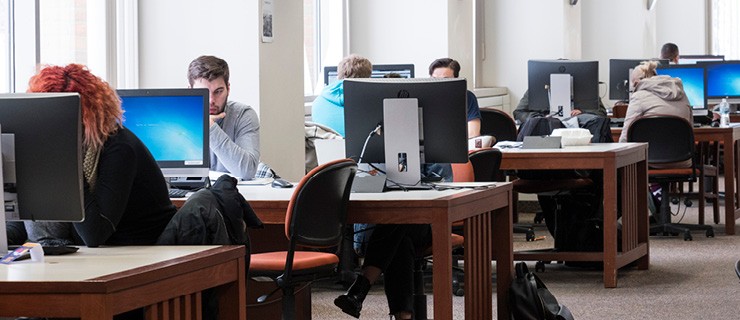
529, 298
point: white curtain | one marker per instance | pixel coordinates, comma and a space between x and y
725, 25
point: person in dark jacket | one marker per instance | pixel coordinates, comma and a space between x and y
126, 198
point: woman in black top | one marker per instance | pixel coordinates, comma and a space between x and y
126, 199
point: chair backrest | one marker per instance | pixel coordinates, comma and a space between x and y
462, 172
619, 110
318, 208
670, 138
497, 123
538, 126
486, 164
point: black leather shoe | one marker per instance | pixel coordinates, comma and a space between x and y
351, 302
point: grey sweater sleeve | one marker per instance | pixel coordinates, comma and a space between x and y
235, 143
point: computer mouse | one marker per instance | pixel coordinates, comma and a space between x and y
281, 183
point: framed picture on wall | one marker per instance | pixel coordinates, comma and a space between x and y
268, 10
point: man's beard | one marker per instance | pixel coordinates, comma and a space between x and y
222, 107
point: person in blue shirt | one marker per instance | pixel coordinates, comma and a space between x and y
450, 68
328, 107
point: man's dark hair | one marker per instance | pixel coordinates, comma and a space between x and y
669, 51
445, 63
209, 68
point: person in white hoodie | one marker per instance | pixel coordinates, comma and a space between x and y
655, 95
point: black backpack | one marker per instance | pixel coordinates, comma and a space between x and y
530, 300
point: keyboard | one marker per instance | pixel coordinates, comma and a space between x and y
178, 193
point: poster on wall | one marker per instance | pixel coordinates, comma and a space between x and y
267, 13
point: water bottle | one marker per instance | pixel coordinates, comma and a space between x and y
724, 113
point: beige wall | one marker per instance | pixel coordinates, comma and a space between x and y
267, 76
520, 30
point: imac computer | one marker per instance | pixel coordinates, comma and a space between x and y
692, 77
379, 71
561, 85
173, 124
419, 120
723, 81
41, 158
619, 75
692, 59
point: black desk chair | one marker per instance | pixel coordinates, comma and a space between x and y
315, 218
500, 125
497, 123
670, 139
486, 164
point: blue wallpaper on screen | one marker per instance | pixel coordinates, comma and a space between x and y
171, 127
693, 83
723, 80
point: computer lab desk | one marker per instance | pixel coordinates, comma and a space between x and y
728, 137
488, 235
624, 161
98, 283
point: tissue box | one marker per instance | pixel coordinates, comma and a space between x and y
573, 137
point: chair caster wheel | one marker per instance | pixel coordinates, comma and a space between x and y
539, 266
456, 289
687, 236
710, 233
530, 235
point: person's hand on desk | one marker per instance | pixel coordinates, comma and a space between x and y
575, 112
215, 117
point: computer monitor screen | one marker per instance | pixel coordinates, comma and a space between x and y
443, 110
619, 75
584, 82
723, 80
692, 59
379, 71
42, 156
173, 124
692, 76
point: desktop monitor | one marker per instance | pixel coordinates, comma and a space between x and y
692, 76
173, 124
379, 71
619, 76
692, 59
584, 80
42, 156
722, 81
442, 112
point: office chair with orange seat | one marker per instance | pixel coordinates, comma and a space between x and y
315, 218
461, 172
670, 140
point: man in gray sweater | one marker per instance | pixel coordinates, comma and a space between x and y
234, 129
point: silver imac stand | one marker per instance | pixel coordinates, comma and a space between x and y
401, 138
561, 85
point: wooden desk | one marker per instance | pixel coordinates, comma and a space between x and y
728, 137
624, 161
98, 283
478, 208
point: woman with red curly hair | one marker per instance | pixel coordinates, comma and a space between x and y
126, 199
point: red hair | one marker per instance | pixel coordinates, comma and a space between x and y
101, 107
